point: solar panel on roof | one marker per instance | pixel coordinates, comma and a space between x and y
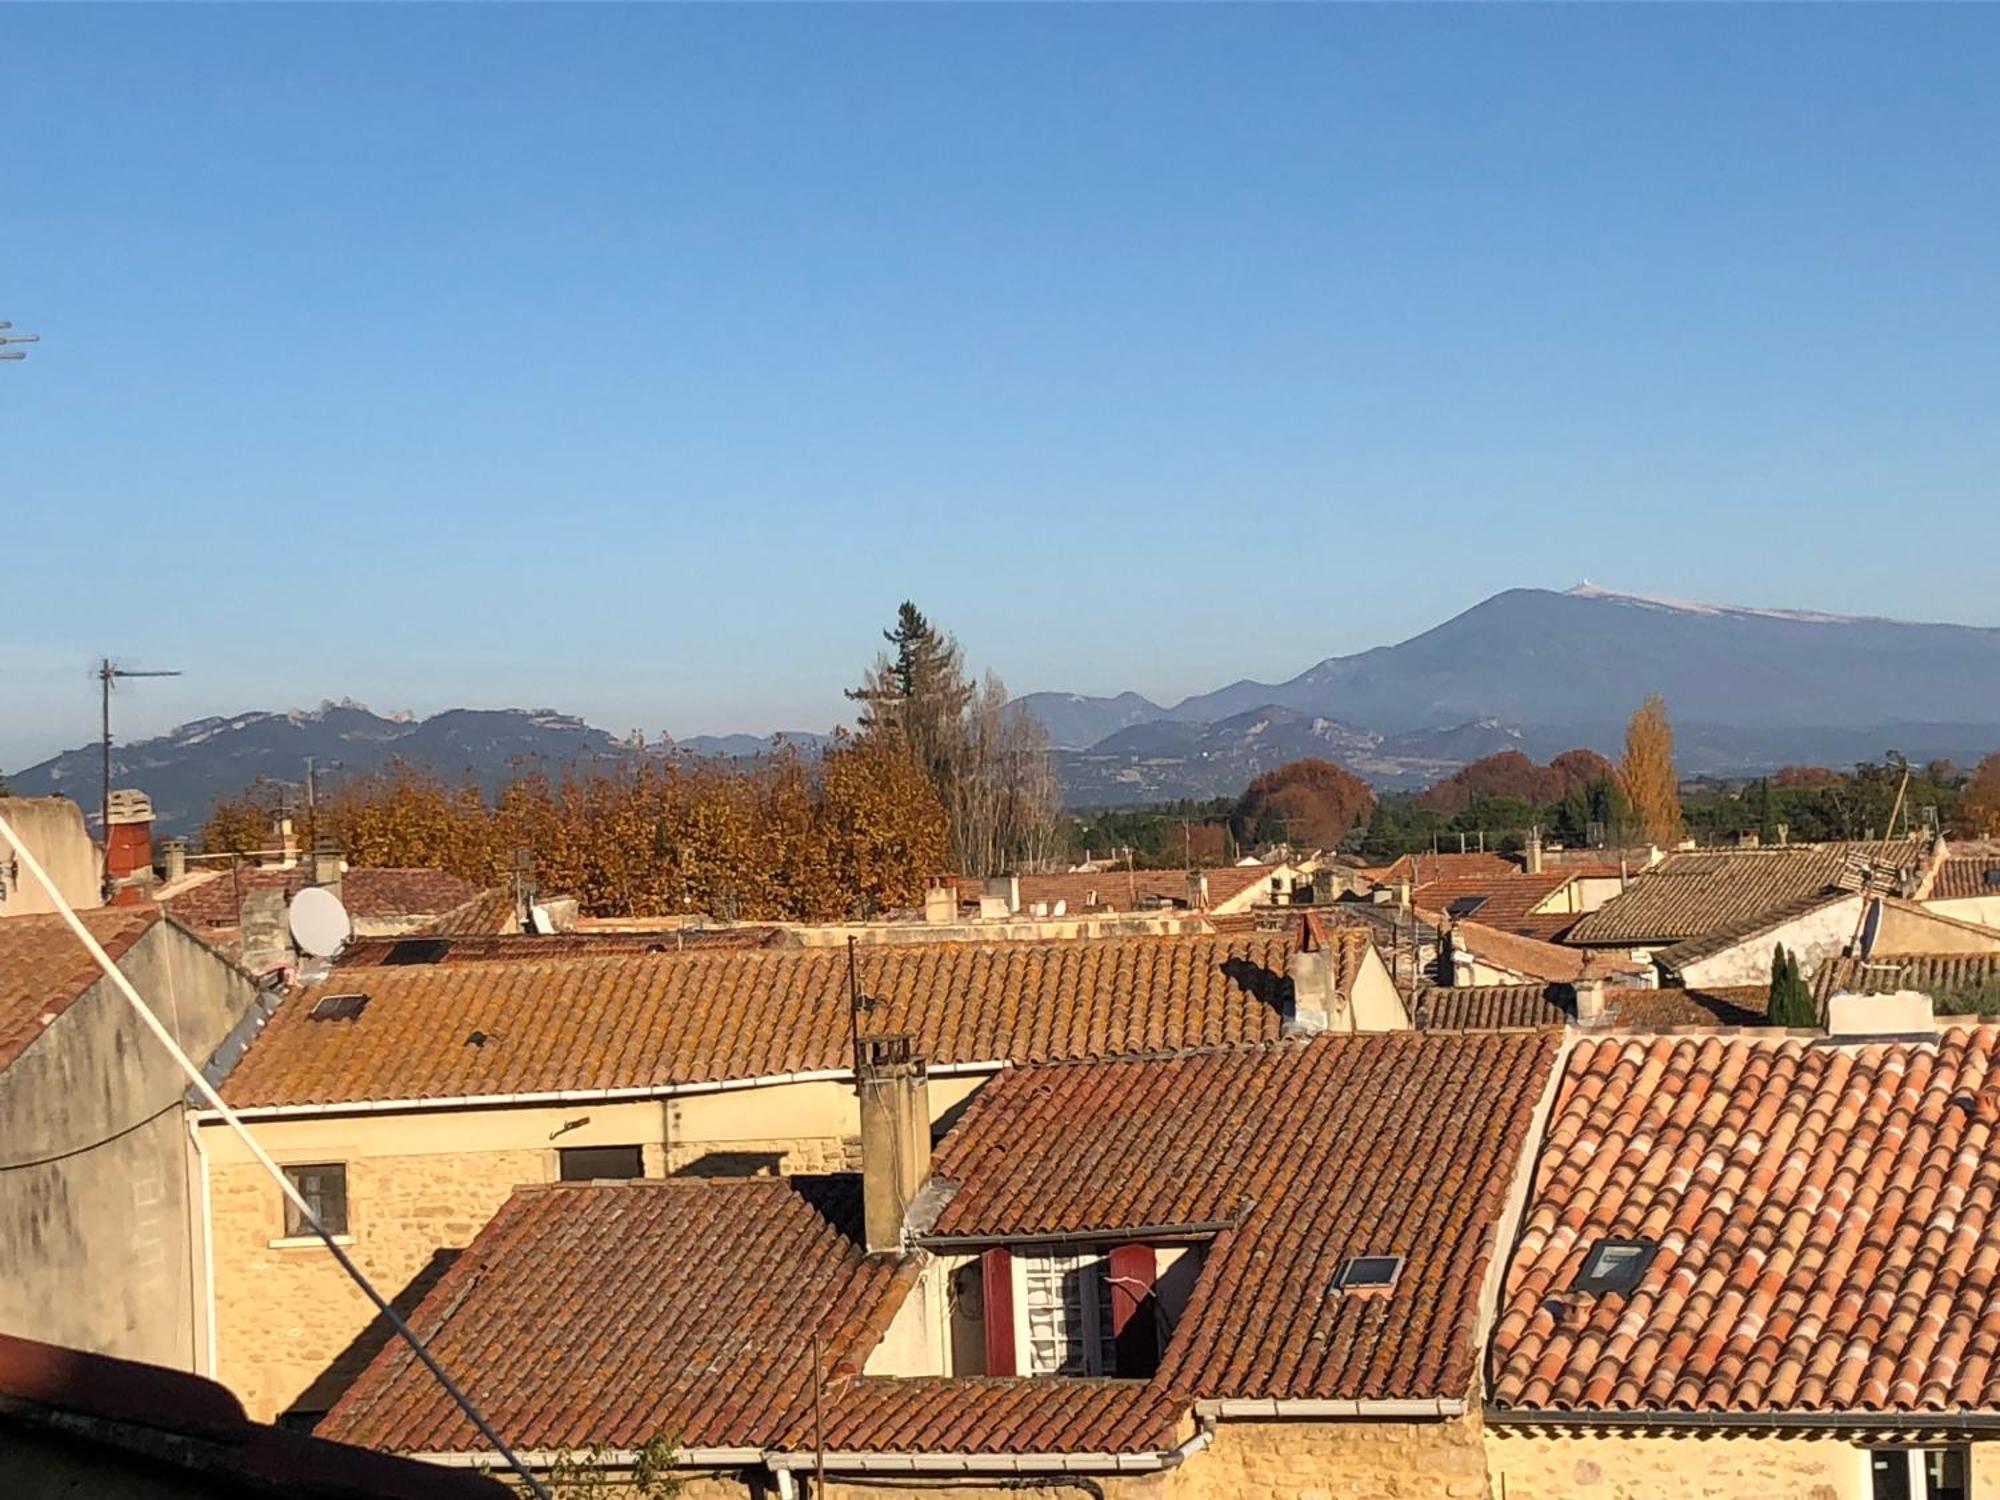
337, 1007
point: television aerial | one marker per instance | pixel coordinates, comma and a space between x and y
319, 923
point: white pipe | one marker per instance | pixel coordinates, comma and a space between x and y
203, 1087
210, 1337
578, 1096
1430, 1407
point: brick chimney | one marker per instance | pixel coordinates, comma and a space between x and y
128, 848
895, 1136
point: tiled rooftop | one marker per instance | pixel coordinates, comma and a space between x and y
1503, 901
1964, 876
616, 1312
1938, 975
1824, 1222
1315, 1151
1491, 1007
1126, 890
649, 1020
44, 969
213, 899
1691, 894
434, 950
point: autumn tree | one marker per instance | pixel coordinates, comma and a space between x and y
1309, 803
987, 762
1647, 775
1979, 804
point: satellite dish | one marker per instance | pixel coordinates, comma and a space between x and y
540, 921
319, 922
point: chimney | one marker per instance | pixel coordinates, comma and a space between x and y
940, 903
175, 854
286, 840
1315, 1004
1590, 1006
1322, 886
1005, 888
1197, 890
267, 942
1534, 850
128, 848
895, 1136
327, 867
1905, 1013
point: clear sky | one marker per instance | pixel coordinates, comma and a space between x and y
636, 362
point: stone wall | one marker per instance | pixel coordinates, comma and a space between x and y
1336, 1460
1653, 1466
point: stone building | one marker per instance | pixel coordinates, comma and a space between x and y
1260, 1270
100, 1193
411, 1096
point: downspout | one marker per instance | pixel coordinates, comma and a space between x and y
206, 1293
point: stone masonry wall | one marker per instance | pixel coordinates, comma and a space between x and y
1337, 1460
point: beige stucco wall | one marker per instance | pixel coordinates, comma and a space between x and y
1912, 929
55, 833
420, 1184
1645, 1466
98, 1204
1377, 1005
1984, 910
1815, 936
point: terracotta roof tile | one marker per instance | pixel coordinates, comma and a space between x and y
44, 969
1419, 868
433, 950
1675, 1009
1691, 894
1126, 890
1964, 876
1823, 1217
1506, 902
613, 1313
993, 1414
646, 1020
1401, 1144
1549, 962
1942, 976
367, 892
1492, 1007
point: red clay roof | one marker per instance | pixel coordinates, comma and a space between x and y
44, 969
1491, 1007
367, 892
617, 1312
433, 949
996, 1414
1505, 901
1824, 1222
1962, 876
1315, 1151
1419, 868
647, 1020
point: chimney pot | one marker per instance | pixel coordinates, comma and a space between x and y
1197, 890
176, 856
940, 904
1590, 1003
1533, 855
128, 846
327, 868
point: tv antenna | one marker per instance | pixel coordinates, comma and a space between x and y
107, 675
8, 336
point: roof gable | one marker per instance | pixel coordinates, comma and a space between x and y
44, 969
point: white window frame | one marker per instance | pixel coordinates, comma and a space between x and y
1093, 1308
1919, 1482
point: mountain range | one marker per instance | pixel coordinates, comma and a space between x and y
1530, 669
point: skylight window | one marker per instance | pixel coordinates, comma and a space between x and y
1614, 1266
337, 1007
1368, 1273
1465, 906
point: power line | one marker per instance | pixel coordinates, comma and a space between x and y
307, 1214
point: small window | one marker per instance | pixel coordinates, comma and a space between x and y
596, 1163
1465, 906
1918, 1474
1614, 1266
324, 1187
1368, 1273
337, 1007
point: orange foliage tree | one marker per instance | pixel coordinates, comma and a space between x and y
1652, 785
778, 840
1311, 803
1979, 804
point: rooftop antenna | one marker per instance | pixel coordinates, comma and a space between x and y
107, 675
7, 336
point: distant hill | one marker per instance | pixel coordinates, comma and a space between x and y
187, 770
1533, 657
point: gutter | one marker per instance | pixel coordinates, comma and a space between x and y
1435, 1407
1117, 1234
576, 1096
867, 1462
616, 1458
1762, 1421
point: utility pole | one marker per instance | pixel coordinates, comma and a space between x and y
107, 674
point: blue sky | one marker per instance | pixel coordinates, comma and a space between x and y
636, 362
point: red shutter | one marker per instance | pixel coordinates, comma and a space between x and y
1134, 1326
996, 1269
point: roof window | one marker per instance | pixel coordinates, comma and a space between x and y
1465, 906
337, 1008
1614, 1266
1368, 1273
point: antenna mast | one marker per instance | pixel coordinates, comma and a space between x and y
107, 674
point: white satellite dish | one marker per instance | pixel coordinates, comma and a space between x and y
540, 921
319, 922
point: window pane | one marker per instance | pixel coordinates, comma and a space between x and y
325, 1190
589, 1163
1889, 1472
1945, 1474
